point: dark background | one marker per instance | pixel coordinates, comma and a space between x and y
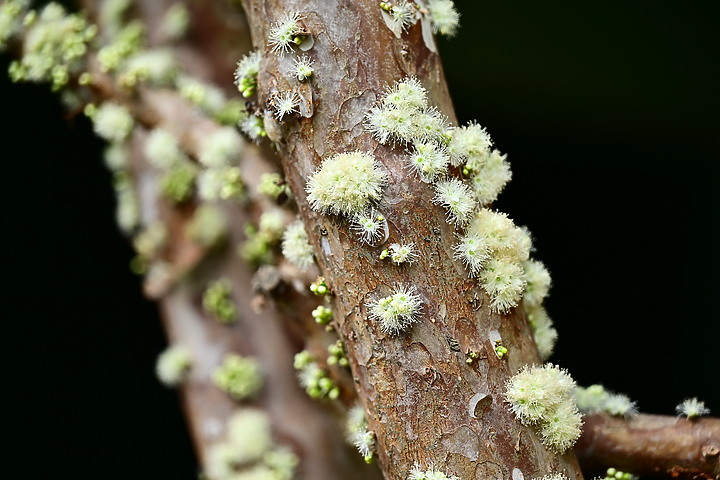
609, 114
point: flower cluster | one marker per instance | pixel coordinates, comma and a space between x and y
542, 396
257, 246
218, 302
173, 365
544, 333
399, 15
246, 73
248, 452
346, 184
11, 19
444, 16
596, 398
401, 253
692, 408
359, 434
111, 121
496, 250
302, 68
239, 376
370, 226
314, 379
286, 33
336, 354
457, 198
396, 312
403, 116
295, 245
285, 103
615, 474
156, 67
417, 473
55, 43
208, 226
322, 315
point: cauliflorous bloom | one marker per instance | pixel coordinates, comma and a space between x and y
402, 253
220, 148
217, 301
691, 408
358, 433
402, 115
370, 226
208, 226
246, 73
543, 396
346, 183
620, 405
239, 376
295, 246
445, 18
252, 125
156, 67
302, 68
248, 430
544, 333
285, 33
429, 160
408, 93
112, 122
468, 141
173, 365
501, 234
387, 124
538, 283
314, 379
163, 150
429, 124
489, 176
417, 473
473, 251
398, 311
457, 198
402, 14
596, 399
562, 427
285, 103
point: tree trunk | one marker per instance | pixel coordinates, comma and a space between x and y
417, 388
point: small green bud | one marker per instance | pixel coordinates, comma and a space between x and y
322, 314
319, 287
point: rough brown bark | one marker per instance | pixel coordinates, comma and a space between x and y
416, 388
655, 445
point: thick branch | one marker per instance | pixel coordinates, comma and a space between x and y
655, 445
417, 388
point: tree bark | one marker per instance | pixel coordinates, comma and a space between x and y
417, 388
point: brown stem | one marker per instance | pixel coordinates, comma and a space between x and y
416, 388
656, 445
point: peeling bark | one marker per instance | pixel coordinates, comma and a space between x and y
417, 388
655, 445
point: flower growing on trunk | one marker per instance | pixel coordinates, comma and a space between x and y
398, 311
346, 183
